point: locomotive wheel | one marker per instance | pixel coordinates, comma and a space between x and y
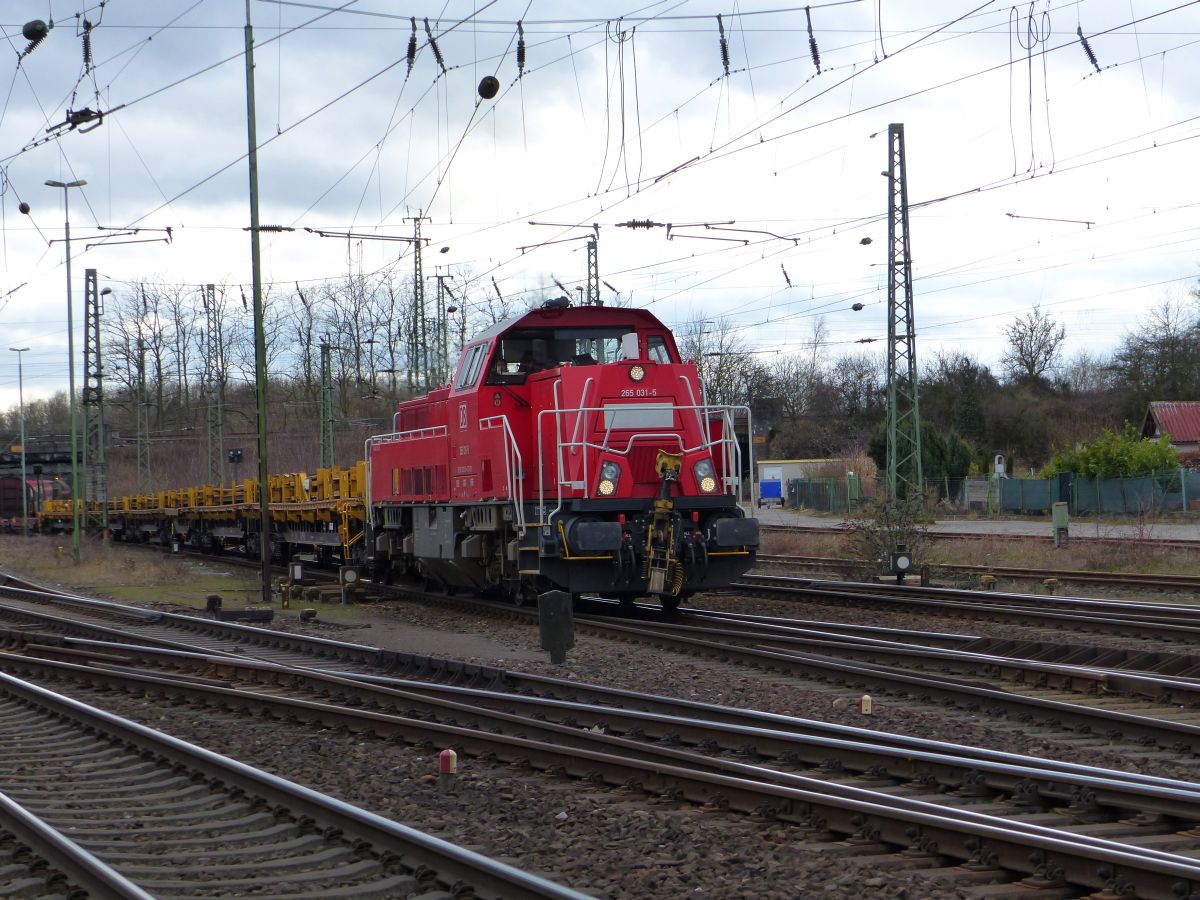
670, 603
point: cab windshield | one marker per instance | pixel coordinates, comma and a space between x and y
523, 352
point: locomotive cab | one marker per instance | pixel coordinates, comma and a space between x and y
573, 450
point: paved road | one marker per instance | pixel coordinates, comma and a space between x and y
1173, 531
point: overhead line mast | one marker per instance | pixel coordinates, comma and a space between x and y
260, 341
904, 477
95, 472
419, 357
213, 374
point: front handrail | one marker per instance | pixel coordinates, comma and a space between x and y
731, 458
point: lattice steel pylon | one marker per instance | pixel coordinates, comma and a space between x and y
418, 343
215, 418
593, 273
904, 417
95, 472
326, 405
442, 329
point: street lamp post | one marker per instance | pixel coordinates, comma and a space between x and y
21, 402
71, 367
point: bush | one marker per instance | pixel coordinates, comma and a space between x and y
880, 528
1116, 455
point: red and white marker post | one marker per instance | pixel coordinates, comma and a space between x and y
447, 769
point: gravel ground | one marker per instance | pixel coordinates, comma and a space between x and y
612, 842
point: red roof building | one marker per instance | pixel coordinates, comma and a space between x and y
1181, 420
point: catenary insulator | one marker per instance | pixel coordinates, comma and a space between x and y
724, 45
1087, 48
812, 42
520, 50
412, 46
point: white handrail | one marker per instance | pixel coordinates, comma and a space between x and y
414, 434
513, 475
732, 458
583, 395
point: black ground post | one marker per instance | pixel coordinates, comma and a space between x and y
557, 624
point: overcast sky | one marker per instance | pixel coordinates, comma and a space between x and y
1034, 178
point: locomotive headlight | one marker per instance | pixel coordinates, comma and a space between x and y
637, 373
705, 476
610, 474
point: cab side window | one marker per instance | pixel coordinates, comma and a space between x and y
468, 374
656, 349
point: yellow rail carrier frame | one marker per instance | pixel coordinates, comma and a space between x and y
325, 510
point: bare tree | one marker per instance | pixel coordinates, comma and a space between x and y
1034, 342
1087, 373
722, 358
304, 313
795, 376
1161, 359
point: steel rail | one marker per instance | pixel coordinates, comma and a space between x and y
781, 634
503, 686
1040, 611
81, 867
1086, 679
1168, 734
1135, 579
769, 742
1077, 858
1164, 733
488, 877
314, 647
1136, 610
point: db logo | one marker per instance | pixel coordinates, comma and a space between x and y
462, 417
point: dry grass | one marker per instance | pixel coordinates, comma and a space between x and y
124, 573
141, 576
806, 544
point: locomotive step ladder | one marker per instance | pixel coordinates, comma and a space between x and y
527, 558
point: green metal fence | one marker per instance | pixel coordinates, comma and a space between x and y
1172, 491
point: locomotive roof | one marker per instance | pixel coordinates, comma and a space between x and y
574, 316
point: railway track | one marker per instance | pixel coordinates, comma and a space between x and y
124, 811
1169, 678
1037, 819
1162, 543
1013, 573
1159, 622
1069, 700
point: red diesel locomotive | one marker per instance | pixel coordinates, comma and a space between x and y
573, 450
